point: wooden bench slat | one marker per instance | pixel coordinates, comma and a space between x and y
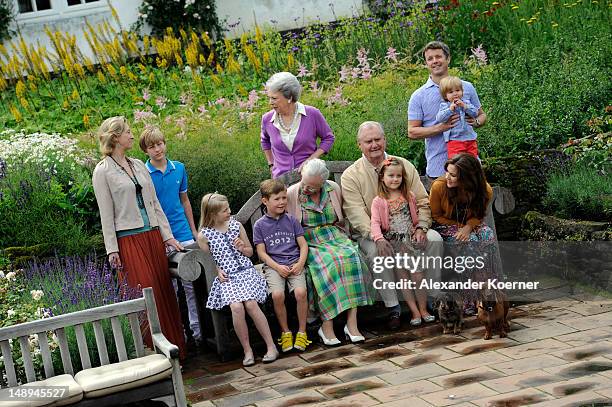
9, 366
26, 356
82, 344
119, 341
46, 354
78, 317
136, 334
100, 342
64, 351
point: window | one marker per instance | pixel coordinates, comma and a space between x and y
77, 2
27, 6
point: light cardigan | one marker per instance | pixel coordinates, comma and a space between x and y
360, 187
380, 216
293, 200
116, 197
312, 126
442, 209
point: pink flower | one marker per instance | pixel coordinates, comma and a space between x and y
185, 99
480, 55
160, 101
142, 115
366, 73
146, 95
337, 98
181, 122
355, 73
344, 73
391, 54
202, 109
314, 85
302, 71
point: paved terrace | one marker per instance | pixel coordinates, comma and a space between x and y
558, 353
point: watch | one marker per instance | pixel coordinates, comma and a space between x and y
477, 122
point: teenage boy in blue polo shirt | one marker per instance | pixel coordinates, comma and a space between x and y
170, 180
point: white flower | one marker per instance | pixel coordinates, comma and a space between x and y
10, 313
37, 294
1, 274
10, 276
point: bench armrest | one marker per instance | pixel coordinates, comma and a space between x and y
170, 350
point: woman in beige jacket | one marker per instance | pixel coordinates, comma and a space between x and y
134, 226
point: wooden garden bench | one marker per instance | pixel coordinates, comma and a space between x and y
150, 375
251, 211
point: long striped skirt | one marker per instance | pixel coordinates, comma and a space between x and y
336, 273
145, 264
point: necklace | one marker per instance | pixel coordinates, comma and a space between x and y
134, 180
282, 123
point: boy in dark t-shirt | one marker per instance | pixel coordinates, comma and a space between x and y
280, 243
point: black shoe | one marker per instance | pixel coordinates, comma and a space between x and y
394, 321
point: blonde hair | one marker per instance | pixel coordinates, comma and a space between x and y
448, 84
211, 205
109, 132
150, 136
271, 187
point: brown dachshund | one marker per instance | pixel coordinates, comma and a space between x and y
493, 308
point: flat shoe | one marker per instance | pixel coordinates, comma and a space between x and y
269, 358
415, 322
248, 361
429, 318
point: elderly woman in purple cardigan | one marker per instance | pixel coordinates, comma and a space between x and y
289, 131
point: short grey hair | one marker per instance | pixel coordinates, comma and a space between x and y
369, 124
285, 83
315, 168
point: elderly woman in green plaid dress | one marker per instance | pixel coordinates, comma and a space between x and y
336, 273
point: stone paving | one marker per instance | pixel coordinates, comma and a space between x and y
558, 353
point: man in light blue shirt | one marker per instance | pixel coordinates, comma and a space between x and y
425, 103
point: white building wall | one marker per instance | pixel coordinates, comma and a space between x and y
71, 19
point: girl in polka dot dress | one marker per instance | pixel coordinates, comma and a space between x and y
237, 284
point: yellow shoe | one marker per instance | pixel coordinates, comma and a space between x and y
301, 341
286, 341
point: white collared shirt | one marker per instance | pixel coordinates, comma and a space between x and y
289, 137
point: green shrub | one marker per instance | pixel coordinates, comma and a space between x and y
6, 16
34, 209
582, 193
181, 14
539, 97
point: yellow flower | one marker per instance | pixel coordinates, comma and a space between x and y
65, 104
202, 60
75, 94
79, 70
219, 68
101, 77
111, 71
242, 90
290, 61
151, 77
132, 77
32, 86
258, 35
86, 120
175, 77
24, 103
16, 113
266, 57
197, 79
143, 69
215, 79
123, 70
555, 24
20, 89
514, 7
495, 3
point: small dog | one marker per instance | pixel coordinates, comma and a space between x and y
450, 311
493, 308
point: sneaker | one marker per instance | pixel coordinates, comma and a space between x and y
394, 322
301, 341
286, 341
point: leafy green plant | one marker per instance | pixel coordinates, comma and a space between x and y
582, 193
199, 15
6, 16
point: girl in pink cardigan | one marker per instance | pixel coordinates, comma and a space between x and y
395, 218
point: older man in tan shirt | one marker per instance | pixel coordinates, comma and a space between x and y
360, 186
